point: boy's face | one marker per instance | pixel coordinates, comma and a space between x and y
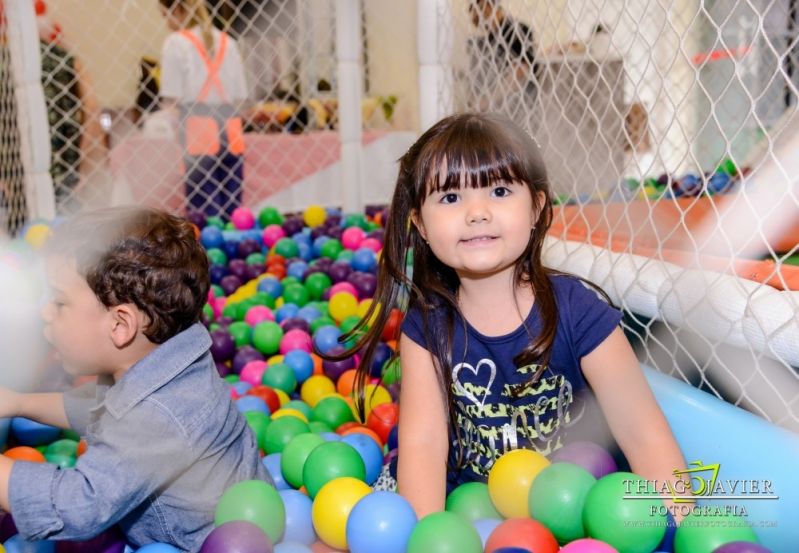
76, 323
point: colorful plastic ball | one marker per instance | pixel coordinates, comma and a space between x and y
510, 479
472, 501
110, 541
382, 419
296, 339
272, 463
334, 368
271, 234
382, 354
286, 247
309, 313
230, 284
331, 248
322, 321
248, 247
280, 376
292, 547
251, 403
587, 545
557, 498
391, 372
372, 243
345, 286
609, 512
267, 394
258, 314
316, 284
364, 260
329, 461
244, 355
241, 332
296, 294
256, 502
375, 395
314, 215
237, 536
444, 532
240, 387
380, 522
295, 323
281, 431
332, 507
266, 337
485, 526
707, 533
365, 283
271, 286
352, 237
297, 269
31, 433
295, 454
315, 388
269, 216
242, 218
222, 345
339, 271
333, 411
258, 421
592, 457
393, 438
343, 305
326, 338
211, 237
371, 453
216, 256
741, 547
301, 363
299, 520
16, 544
522, 533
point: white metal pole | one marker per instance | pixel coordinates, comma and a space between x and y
350, 91
34, 130
434, 46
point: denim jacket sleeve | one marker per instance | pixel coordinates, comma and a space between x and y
127, 460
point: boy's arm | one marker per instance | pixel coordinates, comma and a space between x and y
633, 414
423, 438
44, 408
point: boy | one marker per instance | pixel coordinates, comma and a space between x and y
164, 438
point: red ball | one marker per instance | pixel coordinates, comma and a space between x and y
522, 532
267, 394
382, 419
391, 330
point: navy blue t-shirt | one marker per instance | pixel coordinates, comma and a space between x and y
491, 421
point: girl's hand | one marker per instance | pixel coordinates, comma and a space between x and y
9, 403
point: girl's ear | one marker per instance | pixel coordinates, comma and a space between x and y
539, 199
416, 220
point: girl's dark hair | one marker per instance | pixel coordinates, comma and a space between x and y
141, 256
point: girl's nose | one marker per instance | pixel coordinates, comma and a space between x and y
477, 212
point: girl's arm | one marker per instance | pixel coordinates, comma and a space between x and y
634, 417
423, 436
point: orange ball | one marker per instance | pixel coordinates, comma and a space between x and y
382, 419
391, 330
345, 382
346, 426
317, 364
25, 453
82, 447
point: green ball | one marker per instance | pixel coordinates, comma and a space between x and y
300, 406
287, 248
345, 255
699, 533
296, 294
444, 532
472, 501
262, 298
230, 226
232, 378
391, 371
266, 337
63, 460
281, 377
320, 306
286, 281
216, 256
256, 259
208, 312
557, 498
241, 333
258, 421
318, 323
356, 220
218, 291
294, 456
318, 427
316, 284
231, 310
333, 411
213, 326
281, 431
269, 216
256, 502
349, 323
626, 524
62, 447
331, 248
69, 434
215, 221
328, 461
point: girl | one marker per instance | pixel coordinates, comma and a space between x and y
203, 75
497, 350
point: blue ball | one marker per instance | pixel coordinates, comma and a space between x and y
303, 237
301, 363
485, 526
364, 260
251, 403
299, 525
291, 547
241, 387
382, 354
326, 338
231, 249
16, 544
330, 436
380, 522
297, 269
271, 286
309, 313
317, 245
305, 251
393, 438
32, 433
272, 464
211, 237
157, 548
718, 183
217, 272
370, 452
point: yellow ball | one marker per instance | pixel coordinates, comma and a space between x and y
282, 396
316, 388
275, 359
314, 215
332, 507
279, 302
342, 305
363, 307
510, 478
374, 395
288, 412
37, 235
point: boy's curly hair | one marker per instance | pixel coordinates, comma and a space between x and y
141, 256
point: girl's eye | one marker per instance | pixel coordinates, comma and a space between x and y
449, 198
500, 191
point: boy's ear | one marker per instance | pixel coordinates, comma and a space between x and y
416, 220
125, 324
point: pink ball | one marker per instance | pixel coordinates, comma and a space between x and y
343, 287
242, 218
211, 295
218, 305
296, 339
373, 244
252, 372
588, 545
352, 237
272, 234
258, 314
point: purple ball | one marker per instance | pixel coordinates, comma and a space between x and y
333, 219
390, 456
237, 536
339, 271
372, 210
295, 323
592, 457
253, 271
394, 391
248, 246
237, 267
377, 233
365, 283
7, 526
326, 295
311, 270
244, 356
316, 232
230, 284
741, 547
216, 273
335, 232
110, 541
292, 225
334, 369
222, 345
197, 218
323, 263
224, 321
222, 368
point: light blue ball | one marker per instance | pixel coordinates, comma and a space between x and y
309, 313
370, 452
272, 464
299, 524
381, 522
301, 363
291, 547
484, 528
211, 237
252, 403
241, 387
286, 311
297, 269
330, 436
305, 251
326, 338
317, 245
364, 260
16, 544
271, 286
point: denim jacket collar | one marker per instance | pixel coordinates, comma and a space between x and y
156, 369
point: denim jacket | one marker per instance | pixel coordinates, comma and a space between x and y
164, 443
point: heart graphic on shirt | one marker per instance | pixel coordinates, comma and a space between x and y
461, 390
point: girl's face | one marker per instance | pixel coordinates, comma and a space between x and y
479, 231
175, 17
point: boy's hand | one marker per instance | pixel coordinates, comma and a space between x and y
9, 403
